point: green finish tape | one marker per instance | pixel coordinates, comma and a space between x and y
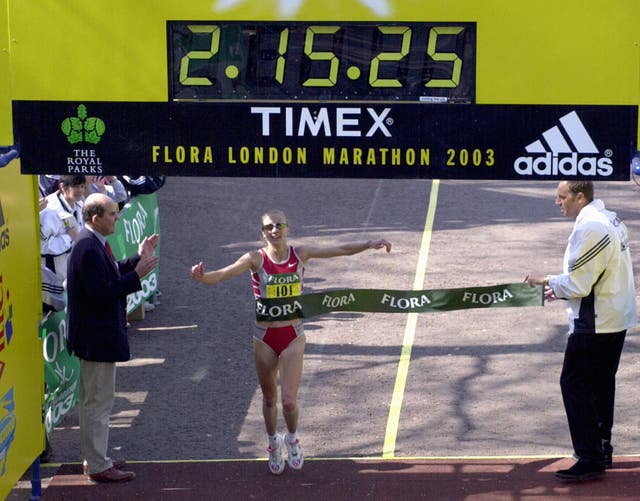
395, 301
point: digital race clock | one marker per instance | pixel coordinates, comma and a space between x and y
321, 61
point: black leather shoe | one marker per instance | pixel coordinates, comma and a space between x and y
582, 470
608, 453
112, 475
607, 460
118, 464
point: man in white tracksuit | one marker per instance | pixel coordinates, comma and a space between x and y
597, 282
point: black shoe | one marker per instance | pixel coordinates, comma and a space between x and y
582, 470
608, 453
607, 459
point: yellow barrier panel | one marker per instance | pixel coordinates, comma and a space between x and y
21, 367
6, 136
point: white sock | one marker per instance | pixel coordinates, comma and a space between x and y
273, 441
291, 437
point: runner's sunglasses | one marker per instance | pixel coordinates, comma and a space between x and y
271, 226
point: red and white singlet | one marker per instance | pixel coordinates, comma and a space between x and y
274, 280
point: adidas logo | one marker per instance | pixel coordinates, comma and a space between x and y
566, 150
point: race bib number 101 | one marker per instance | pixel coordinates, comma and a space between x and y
284, 285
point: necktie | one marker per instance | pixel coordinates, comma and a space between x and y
110, 252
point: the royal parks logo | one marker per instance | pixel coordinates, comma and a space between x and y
83, 129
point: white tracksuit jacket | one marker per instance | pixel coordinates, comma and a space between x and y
597, 277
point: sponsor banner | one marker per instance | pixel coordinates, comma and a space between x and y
342, 140
395, 301
61, 371
140, 218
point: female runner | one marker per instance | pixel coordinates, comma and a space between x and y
280, 344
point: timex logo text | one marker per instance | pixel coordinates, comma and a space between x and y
341, 122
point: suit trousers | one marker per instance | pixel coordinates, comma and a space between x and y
588, 383
97, 391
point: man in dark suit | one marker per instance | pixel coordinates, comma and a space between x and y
97, 289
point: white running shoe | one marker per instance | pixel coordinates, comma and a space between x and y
276, 461
295, 458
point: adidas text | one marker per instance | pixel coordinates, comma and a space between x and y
566, 165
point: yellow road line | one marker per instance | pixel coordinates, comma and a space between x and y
389, 447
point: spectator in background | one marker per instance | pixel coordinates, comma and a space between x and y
53, 295
48, 184
142, 185
110, 186
55, 245
67, 201
60, 221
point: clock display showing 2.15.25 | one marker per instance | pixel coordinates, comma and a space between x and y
321, 61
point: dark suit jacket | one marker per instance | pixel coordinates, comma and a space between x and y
97, 300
